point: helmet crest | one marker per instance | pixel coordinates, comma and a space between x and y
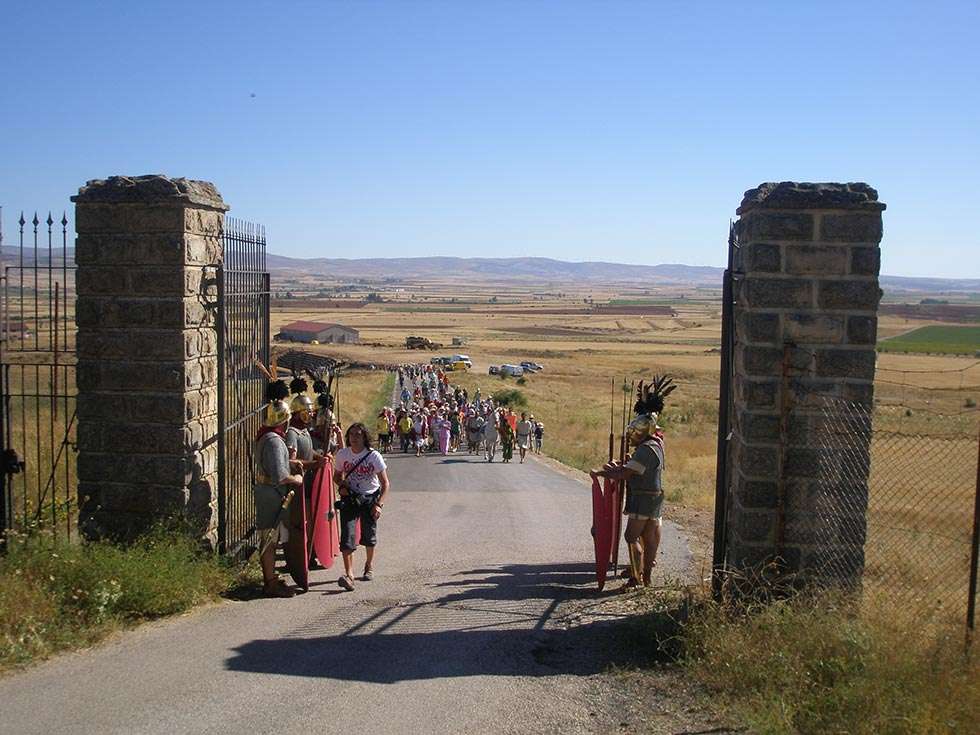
649, 405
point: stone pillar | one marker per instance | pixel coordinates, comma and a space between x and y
147, 248
805, 327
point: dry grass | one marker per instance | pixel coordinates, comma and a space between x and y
919, 526
812, 664
362, 393
583, 351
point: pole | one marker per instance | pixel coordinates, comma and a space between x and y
724, 400
612, 410
222, 419
971, 603
621, 485
622, 435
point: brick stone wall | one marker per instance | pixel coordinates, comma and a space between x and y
805, 327
147, 248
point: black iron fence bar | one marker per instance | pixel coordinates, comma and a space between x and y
222, 503
37, 332
6, 497
724, 423
20, 301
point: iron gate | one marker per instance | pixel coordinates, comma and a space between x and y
243, 339
38, 481
725, 398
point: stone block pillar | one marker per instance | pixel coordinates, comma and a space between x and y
147, 248
805, 327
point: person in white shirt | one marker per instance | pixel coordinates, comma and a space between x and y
362, 478
524, 430
490, 437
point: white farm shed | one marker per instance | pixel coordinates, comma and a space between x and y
318, 331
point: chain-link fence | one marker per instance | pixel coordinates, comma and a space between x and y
895, 511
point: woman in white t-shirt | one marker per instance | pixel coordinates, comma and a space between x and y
362, 477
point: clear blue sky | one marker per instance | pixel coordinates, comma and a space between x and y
597, 130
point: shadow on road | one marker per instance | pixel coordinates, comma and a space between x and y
495, 621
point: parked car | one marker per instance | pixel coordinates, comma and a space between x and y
462, 358
531, 366
494, 370
514, 371
459, 366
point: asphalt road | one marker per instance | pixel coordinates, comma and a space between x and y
468, 626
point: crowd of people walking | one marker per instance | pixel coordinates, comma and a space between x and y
428, 414
297, 437
433, 415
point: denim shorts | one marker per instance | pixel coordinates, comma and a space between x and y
349, 516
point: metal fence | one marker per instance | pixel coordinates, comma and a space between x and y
243, 338
38, 480
897, 510
725, 411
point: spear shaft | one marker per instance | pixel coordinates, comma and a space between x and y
612, 410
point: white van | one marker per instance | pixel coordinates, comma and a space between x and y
515, 371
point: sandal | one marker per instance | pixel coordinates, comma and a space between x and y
277, 589
347, 583
368, 574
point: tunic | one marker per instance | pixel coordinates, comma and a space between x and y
302, 442
271, 468
524, 429
646, 495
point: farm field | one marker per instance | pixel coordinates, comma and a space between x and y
588, 353
935, 339
921, 400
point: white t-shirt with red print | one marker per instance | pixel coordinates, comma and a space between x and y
364, 479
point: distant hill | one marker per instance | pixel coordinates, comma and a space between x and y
522, 269
548, 269
534, 270
907, 283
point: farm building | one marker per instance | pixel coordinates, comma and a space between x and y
318, 332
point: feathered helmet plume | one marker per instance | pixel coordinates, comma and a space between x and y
322, 385
649, 405
650, 396
277, 389
276, 412
298, 387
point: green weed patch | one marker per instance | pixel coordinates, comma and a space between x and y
510, 397
57, 595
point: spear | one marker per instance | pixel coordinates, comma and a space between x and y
622, 436
336, 401
612, 410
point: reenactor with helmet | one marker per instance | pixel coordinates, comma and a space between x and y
277, 478
300, 443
